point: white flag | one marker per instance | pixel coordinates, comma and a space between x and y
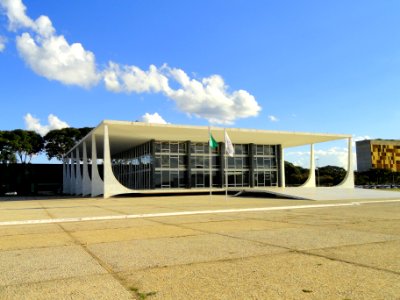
229, 150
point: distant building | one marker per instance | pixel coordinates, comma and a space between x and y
378, 154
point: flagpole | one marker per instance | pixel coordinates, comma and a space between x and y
209, 156
226, 168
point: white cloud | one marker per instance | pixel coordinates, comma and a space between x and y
32, 123
153, 118
48, 54
51, 56
3, 42
273, 118
132, 79
206, 98
15, 11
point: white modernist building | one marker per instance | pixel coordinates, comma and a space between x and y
120, 157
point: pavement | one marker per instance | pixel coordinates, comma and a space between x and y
197, 247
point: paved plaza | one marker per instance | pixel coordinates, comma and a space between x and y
197, 247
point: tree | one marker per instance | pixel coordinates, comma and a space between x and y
23, 144
6, 154
59, 141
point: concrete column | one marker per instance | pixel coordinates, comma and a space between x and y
111, 185
78, 175
72, 185
86, 183
97, 184
282, 166
310, 182
68, 179
65, 176
348, 181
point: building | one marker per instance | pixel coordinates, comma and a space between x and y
120, 157
378, 154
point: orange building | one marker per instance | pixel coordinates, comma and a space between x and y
378, 154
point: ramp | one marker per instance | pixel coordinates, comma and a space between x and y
326, 193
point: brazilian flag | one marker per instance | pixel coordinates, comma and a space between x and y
212, 142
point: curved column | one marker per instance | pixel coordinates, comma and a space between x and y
97, 184
111, 185
65, 176
282, 174
78, 175
86, 183
310, 182
348, 181
72, 181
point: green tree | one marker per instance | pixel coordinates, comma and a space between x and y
59, 141
6, 153
295, 175
24, 144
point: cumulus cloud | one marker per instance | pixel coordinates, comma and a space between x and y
32, 123
15, 11
153, 118
132, 79
48, 54
53, 57
206, 98
273, 118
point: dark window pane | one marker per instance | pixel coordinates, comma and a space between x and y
174, 162
174, 147
165, 161
158, 147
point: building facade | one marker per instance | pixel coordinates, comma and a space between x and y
120, 157
378, 154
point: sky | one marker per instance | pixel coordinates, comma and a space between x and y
304, 66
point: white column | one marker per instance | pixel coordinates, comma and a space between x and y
282, 156
65, 176
97, 186
348, 181
78, 175
86, 183
72, 181
68, 179
111, 185
310, 182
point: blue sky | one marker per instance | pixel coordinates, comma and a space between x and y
313, 66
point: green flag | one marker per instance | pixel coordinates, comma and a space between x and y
212, 142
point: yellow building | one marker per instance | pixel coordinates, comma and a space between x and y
378, 154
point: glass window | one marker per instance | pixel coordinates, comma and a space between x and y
260, 150
174, 148
238, 149
157, 147
165, 147
165, 161
174, 162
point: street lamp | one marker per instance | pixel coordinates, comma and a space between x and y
317, 159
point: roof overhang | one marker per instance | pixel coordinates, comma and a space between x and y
124, 135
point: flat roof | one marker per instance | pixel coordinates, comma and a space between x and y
124, 135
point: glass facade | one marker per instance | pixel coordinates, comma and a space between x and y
171, 164
265, 165
133, 168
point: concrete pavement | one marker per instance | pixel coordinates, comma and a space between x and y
327, 252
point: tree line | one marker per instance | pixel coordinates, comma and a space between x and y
19, 146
